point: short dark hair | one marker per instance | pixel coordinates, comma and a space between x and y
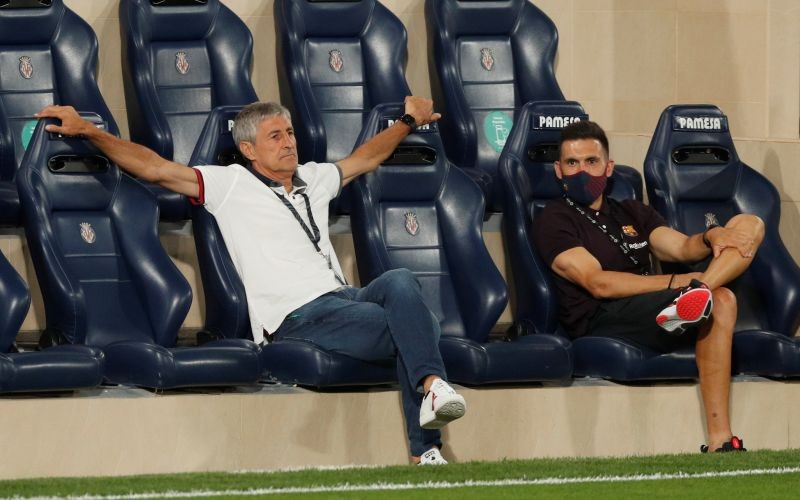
583, 129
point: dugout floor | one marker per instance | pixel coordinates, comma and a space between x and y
123, 430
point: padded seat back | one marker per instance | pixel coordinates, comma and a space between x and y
490, 58
49, 56
418, 212
527, 176
227, 315
180, 60
694, 177
93, 235
14, 301
336, 61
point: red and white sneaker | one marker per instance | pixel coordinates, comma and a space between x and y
690, 308
440, 406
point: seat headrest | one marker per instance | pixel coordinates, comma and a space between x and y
74, 174
215, 146
176, 20
29, 22
417, 168
330, 18
694, 144
481, 17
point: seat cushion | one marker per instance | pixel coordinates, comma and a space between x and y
219, 363
760, 352
303, 363
532, 358
59, 368
615, 359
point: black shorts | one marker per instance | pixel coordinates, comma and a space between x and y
633, 319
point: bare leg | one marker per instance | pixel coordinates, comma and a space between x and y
730, 263
713, 353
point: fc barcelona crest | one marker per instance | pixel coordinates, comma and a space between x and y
87, 233
335, 61
181, 62
412, 226
629, 231
487, 59
25, 67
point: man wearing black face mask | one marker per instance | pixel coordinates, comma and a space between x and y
599, 251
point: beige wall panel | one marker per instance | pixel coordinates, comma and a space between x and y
623, 5
405, 7
417, 64
790, 225
721, 58
638, 116
738, 6
784, 69
594, 56
746, 119
264, 73
250, 8
270, 428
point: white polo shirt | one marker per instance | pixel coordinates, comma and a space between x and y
278, 264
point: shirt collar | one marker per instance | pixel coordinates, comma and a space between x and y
298, 184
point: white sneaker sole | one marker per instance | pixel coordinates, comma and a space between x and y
446, 413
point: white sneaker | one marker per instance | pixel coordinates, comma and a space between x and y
432, 457
440, 406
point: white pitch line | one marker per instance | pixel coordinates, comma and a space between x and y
344, 488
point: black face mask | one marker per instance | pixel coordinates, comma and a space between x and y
583, 187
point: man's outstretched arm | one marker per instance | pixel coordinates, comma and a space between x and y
135, 159
582, 268
372, 153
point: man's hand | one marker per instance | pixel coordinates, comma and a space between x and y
421, 109
683, 280
71, 122
721, 238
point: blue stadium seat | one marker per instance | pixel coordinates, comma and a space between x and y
333, 73
105, 279
180, 60
288, 361
49, 57
419, 212
487, 59
693, 174
59, 368
527, 176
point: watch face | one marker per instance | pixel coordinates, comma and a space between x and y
408, 120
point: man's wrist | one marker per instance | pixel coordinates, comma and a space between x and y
409, 120
706, 241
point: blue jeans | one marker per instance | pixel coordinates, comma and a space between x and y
387, 318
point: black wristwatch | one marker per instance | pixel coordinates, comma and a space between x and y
409, 120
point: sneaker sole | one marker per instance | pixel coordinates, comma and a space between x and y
691, 308
448, 412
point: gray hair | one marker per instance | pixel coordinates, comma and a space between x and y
248, 119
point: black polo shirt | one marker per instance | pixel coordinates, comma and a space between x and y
560, 227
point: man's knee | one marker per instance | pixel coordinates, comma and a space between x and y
725, 306
400, 279
750, 223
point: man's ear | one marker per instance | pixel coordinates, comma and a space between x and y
557, 165
609, 168
246, 147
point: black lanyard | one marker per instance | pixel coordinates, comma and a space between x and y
313, 233
619, 242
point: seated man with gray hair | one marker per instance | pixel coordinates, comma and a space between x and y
272, 213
